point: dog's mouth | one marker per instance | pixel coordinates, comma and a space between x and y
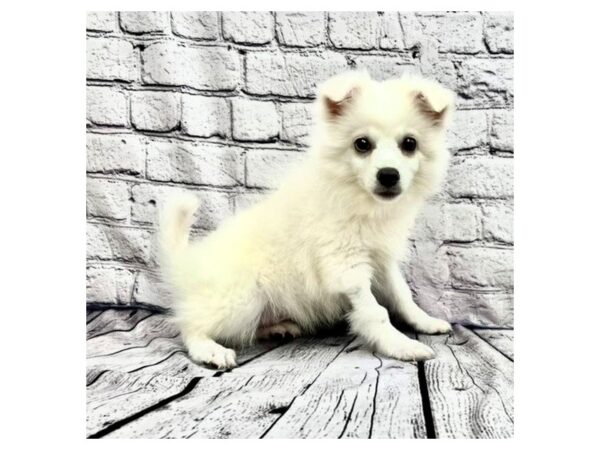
387, 194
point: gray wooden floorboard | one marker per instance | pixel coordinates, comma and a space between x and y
470, 387
242, 403
114, 320
141, 383
124, 383
359, 395
502, 340
91, 315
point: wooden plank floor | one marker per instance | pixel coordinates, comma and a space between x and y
141, 383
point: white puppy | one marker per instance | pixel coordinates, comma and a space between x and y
326, 244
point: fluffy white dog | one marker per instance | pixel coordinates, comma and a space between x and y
326, 244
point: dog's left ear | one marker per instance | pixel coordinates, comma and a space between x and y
435, 102
336, 94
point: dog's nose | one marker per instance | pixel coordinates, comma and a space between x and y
388, 177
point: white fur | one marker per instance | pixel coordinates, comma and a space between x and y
318, 248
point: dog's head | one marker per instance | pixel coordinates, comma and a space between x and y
386, 137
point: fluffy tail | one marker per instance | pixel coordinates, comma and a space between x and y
175, 219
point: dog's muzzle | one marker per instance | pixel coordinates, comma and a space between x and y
388, 180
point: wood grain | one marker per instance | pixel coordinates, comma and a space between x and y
359, 395
242, 403
470, 387
115, 320
501, 340
141, 383
145, 331
124, 383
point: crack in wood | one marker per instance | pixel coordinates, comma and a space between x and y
375, 394
425, 402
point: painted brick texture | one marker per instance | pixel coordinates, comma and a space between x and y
220, 104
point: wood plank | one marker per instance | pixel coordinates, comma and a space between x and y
242, 403
117, 395
359, 395
502, 340
91, 315
470, 387
116, 320
153, 327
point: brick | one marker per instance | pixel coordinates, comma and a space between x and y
297, 122
155, 111
248, 27
246, 199
290, 74
116, 153
118, 243
266, 168
456, 33
498, 222
147, 198
482, 267
448, 222
486, 82
106, 106
391, 34
96, 244
501, 132
255, 120
301, 29
205, 68
444, 72
354, 30
481, 177
205, 116
149, 290
111, 59
202, 25
499, 32
429, 224
468, 130
428, 264
107, 198
413, 31
101, 21
475, 307
109, 285
194, 163
462, 222
139, 22
384, 67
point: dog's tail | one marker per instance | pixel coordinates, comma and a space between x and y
175, 220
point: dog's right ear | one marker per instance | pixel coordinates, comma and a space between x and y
337, 93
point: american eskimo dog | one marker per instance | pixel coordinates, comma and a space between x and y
326, 244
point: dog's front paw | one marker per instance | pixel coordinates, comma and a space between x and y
431, 325
211, 353
406, 349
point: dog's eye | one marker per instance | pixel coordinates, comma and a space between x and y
408, 144
363, 145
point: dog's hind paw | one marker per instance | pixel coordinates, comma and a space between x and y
281, 330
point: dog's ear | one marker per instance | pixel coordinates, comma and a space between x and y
337, 93
435, 102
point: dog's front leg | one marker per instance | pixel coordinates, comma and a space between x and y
371, 321
399, 295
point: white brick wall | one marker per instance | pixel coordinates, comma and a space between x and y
220, 104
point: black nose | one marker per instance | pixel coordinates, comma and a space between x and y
388, 177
